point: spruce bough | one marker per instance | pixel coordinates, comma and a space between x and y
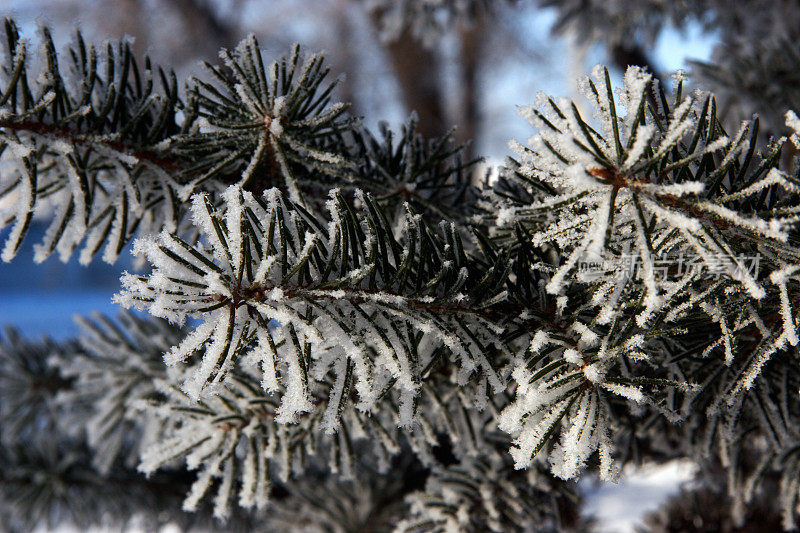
363, 309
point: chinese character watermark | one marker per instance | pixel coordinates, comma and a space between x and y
709, 266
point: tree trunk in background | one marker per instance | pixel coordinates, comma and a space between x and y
632, 54
125, 19
201, 31
206, 31
346, 58
471, 39
417, 72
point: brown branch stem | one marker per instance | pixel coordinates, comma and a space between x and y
62, 132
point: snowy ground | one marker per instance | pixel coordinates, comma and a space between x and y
620, 507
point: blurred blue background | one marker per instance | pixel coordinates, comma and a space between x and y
40, 299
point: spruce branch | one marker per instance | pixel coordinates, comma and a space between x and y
655, 187
342, 290
428, 174
486, 494
117, 373
84, 139
258, 123
52, 471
